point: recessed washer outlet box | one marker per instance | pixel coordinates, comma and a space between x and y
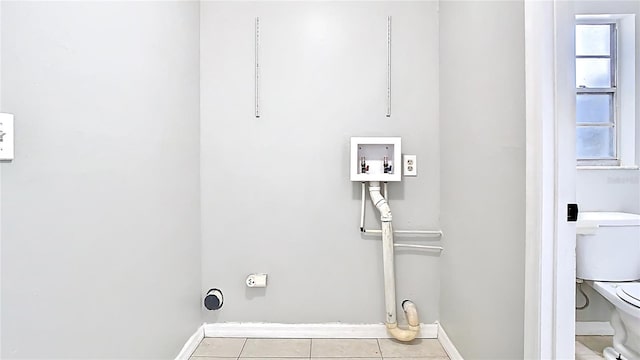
376, 159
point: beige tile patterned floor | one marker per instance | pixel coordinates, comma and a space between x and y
343, 349
591, 347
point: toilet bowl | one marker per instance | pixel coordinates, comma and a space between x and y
625, 319
608, 256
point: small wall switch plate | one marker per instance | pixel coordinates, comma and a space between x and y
410, 165
257, 280
6, 136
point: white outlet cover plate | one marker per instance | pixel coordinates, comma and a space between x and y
6, 136
410, 165
257, 280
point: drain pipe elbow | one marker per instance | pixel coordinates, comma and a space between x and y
379, 201
411, 313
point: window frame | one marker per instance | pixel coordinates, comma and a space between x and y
627, 109
609, 91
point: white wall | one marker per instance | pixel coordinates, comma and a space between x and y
100, 208
482, 146
612, 190
276, 195
609, 190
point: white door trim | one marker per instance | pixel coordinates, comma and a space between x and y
549, 317
565, 182
540, 196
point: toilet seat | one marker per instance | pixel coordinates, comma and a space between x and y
629, 293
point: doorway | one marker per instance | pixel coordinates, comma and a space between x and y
550, 238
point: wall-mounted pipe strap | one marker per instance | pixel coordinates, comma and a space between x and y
435, 233
257, 67
388, 66
426, 247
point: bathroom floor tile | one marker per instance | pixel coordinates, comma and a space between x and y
584, 353
356, 348
595, 343
588, 357
276, 348
582, 349
220, 347
327, 349
414, 349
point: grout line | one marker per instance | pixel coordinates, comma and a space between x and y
379, 348
310, 347
241, 350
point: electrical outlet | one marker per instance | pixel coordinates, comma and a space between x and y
410, 165
257, 280
6, 136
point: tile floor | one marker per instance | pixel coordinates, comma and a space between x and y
591, 347
290, 349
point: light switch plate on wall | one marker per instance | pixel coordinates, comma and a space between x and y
6, 136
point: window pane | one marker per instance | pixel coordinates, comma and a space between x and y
593, 108
593, 39
593, 73
594, 142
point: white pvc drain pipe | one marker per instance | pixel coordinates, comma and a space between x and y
409, 307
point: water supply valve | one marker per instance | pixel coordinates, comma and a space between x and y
387, 167
364, 168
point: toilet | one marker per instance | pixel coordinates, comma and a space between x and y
608, 257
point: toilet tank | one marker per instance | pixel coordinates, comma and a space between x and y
608, 246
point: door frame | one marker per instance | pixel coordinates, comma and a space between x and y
549, 317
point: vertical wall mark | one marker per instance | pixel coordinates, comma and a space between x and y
257, 68
388, 66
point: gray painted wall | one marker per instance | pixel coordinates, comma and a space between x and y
101, 206
100, 209
276, 195
609, 190
482, 147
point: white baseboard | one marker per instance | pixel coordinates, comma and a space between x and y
191, 344
448, 345
304, 331
594, 328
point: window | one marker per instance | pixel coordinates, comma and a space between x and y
605, 90
596, 70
